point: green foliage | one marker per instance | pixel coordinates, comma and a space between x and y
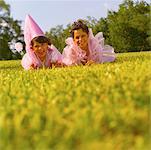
4, 7
104, 106
58, 36
129, 27
126, 30
10, 30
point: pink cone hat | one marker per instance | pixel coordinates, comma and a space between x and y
31, 30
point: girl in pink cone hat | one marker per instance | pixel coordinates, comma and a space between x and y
85, 48
40, 53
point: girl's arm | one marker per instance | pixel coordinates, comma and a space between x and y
26, 62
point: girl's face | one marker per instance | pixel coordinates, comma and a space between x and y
40, 49
81, 39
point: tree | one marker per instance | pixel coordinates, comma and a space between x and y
129, 27
10, 30
126, 30
58, 35
103, 26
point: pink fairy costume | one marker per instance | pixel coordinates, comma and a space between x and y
32, 30
99, 53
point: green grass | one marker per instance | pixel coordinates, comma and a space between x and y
103, 106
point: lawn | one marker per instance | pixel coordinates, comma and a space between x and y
104, 106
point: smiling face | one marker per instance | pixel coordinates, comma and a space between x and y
81, 39
40, 49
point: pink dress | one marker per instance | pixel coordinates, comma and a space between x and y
30, 59
31, 30
98, 52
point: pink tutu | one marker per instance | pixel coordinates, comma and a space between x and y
99, 53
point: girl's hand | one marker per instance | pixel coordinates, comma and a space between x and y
33, 66
84, 60
58, 64
90, 62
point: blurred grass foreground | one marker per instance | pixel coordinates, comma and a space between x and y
104, 106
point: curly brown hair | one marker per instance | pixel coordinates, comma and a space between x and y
79, 24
